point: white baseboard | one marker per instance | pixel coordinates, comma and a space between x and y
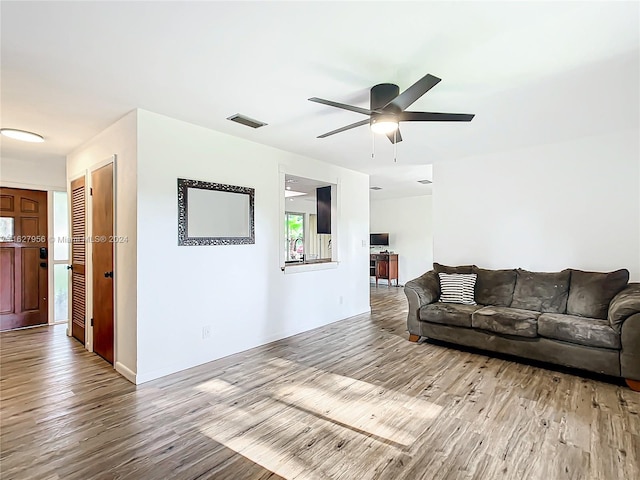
144, 377
126, 372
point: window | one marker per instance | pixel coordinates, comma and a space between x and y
294, 236
60, 257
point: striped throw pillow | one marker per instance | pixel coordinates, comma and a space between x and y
457, 287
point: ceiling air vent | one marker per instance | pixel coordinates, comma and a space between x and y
376, 188
244, 120
425, 182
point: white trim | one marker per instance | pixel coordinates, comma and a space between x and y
282, 237
53, 262
115, 259
30, 186
336, 200
191, 363
309, 267
103, 163
125, 371
304, 173
50, 264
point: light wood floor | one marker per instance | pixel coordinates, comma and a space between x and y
352, 400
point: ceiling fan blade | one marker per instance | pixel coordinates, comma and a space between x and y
394, 137
435, 117
414, 92
348, 127
364, 111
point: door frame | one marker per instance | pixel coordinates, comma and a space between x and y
50, 261
86, 173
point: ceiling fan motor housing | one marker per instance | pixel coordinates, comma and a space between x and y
381, 95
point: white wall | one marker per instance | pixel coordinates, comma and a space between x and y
240, 291
47, 174
571, 204
408, 221
119, 139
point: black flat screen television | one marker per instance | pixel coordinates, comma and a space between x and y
379, 239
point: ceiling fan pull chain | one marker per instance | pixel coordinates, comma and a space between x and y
373, 145
395, 146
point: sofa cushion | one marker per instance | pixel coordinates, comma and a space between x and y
457, 288
541, 291
495, 287
439, 268
591, 292
511, 321
448, 313
592, 332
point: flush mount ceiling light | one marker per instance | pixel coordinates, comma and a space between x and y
22, 135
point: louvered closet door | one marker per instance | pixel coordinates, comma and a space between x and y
78, 251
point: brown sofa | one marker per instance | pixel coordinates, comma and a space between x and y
585, 320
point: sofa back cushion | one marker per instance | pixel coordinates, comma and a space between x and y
591, 292
541, 291
495, 287
439, 268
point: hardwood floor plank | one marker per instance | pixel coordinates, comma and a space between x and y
351, 400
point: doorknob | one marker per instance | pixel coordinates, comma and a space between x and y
69, 267
108, 274
43, 264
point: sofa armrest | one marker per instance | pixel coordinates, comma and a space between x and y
420, 291
623, 305
630, 352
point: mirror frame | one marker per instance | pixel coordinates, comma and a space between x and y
183, 214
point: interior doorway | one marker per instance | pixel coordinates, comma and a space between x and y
23, 258
92, 260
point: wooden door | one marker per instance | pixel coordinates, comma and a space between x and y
78, 257
102, 260
23, 258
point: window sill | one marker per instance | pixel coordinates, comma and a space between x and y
308, 267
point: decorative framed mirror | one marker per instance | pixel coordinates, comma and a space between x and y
214, 213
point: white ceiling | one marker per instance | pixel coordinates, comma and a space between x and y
532, 73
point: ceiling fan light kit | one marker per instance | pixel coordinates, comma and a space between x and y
388, 108
384, 124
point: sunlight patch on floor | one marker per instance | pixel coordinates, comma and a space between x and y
278, 424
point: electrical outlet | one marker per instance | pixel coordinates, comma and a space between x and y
341, 300
364, 243
206, 332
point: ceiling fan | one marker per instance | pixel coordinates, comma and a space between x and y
388, 108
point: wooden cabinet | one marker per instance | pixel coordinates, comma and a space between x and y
385, 266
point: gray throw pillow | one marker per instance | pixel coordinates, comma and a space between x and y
439, 268
541, 291
592, 292
495, 287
